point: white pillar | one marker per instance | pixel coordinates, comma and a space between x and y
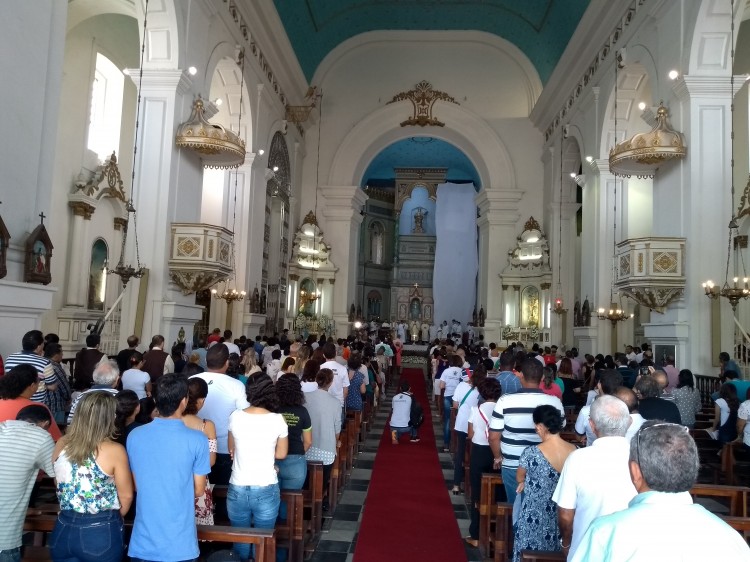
342, 220
498, 217
167, 181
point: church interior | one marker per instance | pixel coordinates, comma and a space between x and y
559, 172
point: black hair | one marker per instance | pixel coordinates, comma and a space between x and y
92, 340
35, 413
261, 392
197, 389
685, 378
549, 417
18, 379
324, 377
217, 356
191, 369
404, 385
289, 390
170, 391
489, 389
31, 340
532, 371
127, 403
148, 405
135, 358
329, 350
610, 380
51, 349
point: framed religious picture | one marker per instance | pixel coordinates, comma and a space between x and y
38, 256
4, 241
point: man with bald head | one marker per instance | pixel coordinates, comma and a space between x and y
651, 405
662, 380
631, 401
595, 480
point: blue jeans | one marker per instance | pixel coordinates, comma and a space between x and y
86, 537
412, 431
509, 482
11, 555
447, 405
252, 506
292, 474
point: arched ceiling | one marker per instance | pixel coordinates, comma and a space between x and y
421, 152
539, 28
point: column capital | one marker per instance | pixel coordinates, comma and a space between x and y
343, 203
498, 207
162, 79
711, 87
82, 209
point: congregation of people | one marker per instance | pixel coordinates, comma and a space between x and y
617, 487
145, 436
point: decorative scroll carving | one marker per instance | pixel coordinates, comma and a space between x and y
423, 98
109, 172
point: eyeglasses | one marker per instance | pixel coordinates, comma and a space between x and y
644, 429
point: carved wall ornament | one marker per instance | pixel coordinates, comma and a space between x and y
665, 262
740, 242
119, 223
655, 298
423, 98
108, 172
38, 255
192, 264
4, 242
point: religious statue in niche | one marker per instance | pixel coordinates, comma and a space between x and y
415, 309
255, 301
262, 303
418, 215
4, 241
482, 317
530, 307
38, 255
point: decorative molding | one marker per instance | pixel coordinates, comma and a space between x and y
194, 262
409, 178
120, 223
545, 286
378, 194
423, 99
740, 242
82, 209
108, 171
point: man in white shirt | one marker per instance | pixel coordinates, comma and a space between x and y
401, 415
229, 342
661, 522
595, 481
340, 385
225, 395
449, 380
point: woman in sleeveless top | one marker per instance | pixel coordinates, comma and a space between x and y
197, 392
94, 485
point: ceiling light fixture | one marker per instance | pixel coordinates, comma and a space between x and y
673, 74
642, 105
589, 159
192, 70
261, 152
218, 101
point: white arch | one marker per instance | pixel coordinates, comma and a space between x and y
710, 39
532, 85
462, 129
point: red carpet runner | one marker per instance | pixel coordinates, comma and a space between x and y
408, 515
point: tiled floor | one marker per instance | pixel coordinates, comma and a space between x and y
340, 529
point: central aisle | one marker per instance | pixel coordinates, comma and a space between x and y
408, 515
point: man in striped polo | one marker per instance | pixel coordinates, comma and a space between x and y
512, 426
25, 448
31, 353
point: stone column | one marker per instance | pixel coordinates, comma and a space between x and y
83, 208
342, 220
498, 217
253, 245
167, 187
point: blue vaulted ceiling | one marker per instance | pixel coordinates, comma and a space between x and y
539, 28
420, 152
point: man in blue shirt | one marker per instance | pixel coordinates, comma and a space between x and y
508, 380
662, 522
169, 462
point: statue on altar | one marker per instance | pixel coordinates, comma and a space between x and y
419, 215
415, 309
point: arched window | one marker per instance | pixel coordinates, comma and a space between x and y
98, 275
376, 243
106, 108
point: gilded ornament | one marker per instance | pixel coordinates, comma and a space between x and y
423, 98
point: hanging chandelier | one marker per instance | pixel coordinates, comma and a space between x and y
308, 297
123, 271
614, 313
736, 291
218, 147
559, 307
229, 295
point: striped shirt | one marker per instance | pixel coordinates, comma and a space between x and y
95, 388
24, 449
513, 417
43, 368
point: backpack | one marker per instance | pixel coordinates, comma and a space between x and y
416, 415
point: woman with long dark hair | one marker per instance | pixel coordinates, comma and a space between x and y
293, 468
128, 407
724, 426
257, 438
687, 398
197, 392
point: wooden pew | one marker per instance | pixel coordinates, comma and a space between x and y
739, 524
490, 484
263, 539
313, 501
502, 535
736, 495
289, 533
541, 556
736, 463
